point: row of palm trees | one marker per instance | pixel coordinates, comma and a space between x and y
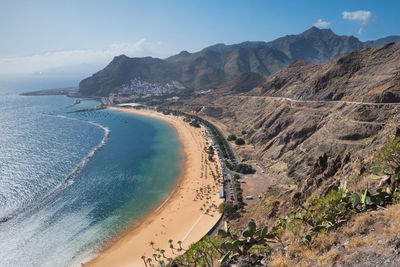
160, 257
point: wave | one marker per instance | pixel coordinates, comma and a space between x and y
69, 178
91, 154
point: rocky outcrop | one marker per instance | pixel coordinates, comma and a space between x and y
371, 75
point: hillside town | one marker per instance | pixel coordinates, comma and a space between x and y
143, 88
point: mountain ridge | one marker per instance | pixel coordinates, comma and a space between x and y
215, 65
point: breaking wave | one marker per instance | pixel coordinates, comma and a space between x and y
69, 178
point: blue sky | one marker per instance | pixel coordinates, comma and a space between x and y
52, 34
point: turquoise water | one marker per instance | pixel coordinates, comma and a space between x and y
71, 182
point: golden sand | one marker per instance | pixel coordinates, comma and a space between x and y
186, 216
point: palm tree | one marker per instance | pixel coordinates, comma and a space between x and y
149, 260
180, 245
162, 251
144, 260
155, 257
152, 244
171, 246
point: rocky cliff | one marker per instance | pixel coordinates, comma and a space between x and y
371, 75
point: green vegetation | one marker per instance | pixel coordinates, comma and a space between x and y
240, 168
250, 237
227, 209
226, 151
244, 132
329, 211
195, 124
210, 151
231, 137
239, 141
225, 245
324, 214
238, 190
202, 253
387, 165
312, 223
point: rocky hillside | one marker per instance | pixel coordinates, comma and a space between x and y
371, 75
321, 45
122, 69
215, 65
318, 132
306, 110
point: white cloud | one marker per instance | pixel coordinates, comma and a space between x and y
51, 60
361, 17
322, 24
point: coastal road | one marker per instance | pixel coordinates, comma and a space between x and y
319, 101
227, 175
305, 102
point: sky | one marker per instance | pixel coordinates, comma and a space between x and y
84, 35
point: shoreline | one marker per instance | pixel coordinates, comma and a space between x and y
181, 216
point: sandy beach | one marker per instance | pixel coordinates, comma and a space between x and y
188, 213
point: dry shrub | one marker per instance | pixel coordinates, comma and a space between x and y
392, 219
294, 249
304, 263
308, 255
288, 237
323, 242
362, 224
279, 260
360, 241
329, 259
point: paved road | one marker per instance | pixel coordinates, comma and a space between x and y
318, 101
230, 147
227, 175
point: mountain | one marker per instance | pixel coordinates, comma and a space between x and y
316, 133
383, 41
122, 69
216, 65
370, 75
301, 112
316, 45
205, 69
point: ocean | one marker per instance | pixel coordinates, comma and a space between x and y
70, 183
